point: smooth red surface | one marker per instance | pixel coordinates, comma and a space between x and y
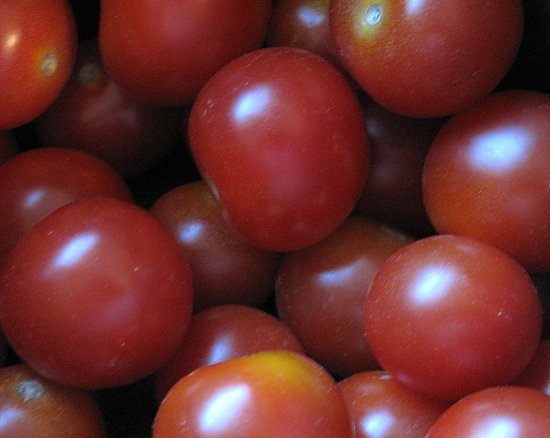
486, 176
226, 269
448, 316
427, 58
221, 333
501, 411
280, 137
97, 294
164, 51
37, 51
36, 182
320, 293
31, 406
269, 394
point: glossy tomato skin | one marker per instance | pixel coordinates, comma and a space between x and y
226, 269
164, 51
280, 136
36, 182
37, 52
221, 333
97, 294
382, 407
500, 411
94, 115
487, 173
428, 58
320, 291
270, 394
441, 309
32, 406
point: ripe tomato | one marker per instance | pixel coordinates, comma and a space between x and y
320, 291
164, 51
427, 58
36, 182
448, 315
487, 175
508, 411
537, 373
8, 146
31, 406
270, 394
221, 333
280, 136
92, 114
226, 269
382, 407
96, 294
37, 52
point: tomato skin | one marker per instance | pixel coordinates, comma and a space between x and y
226, 269
174, 45
31, 406
221, 333
37, 52
441, 309
285, 173
500, 411
97, 294
428, 58
8, 146
486, 176
36, 182
92, 114
270, 394
382, 407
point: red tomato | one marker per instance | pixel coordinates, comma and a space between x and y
496, 412
164, 51
226, 269
270, 394
37, 52
36, 182
537, 373
93, 114
221, 333
393, 191
382, 407
487, 174
31, 406
448, 315
320, 291
427, 58
280, 136
97, 294
302, 24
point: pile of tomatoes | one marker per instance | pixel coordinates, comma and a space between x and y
256, 218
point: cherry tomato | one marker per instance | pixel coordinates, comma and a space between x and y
37, 52
221, 333
393, 191
448, 315
226, 269
31, 406
164, 51
93, 114
320, 291
427, 58
537, 373
270, 394
502, 411
96, 294
382, 407
36, 182
487, 174
280, 136
302, 24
